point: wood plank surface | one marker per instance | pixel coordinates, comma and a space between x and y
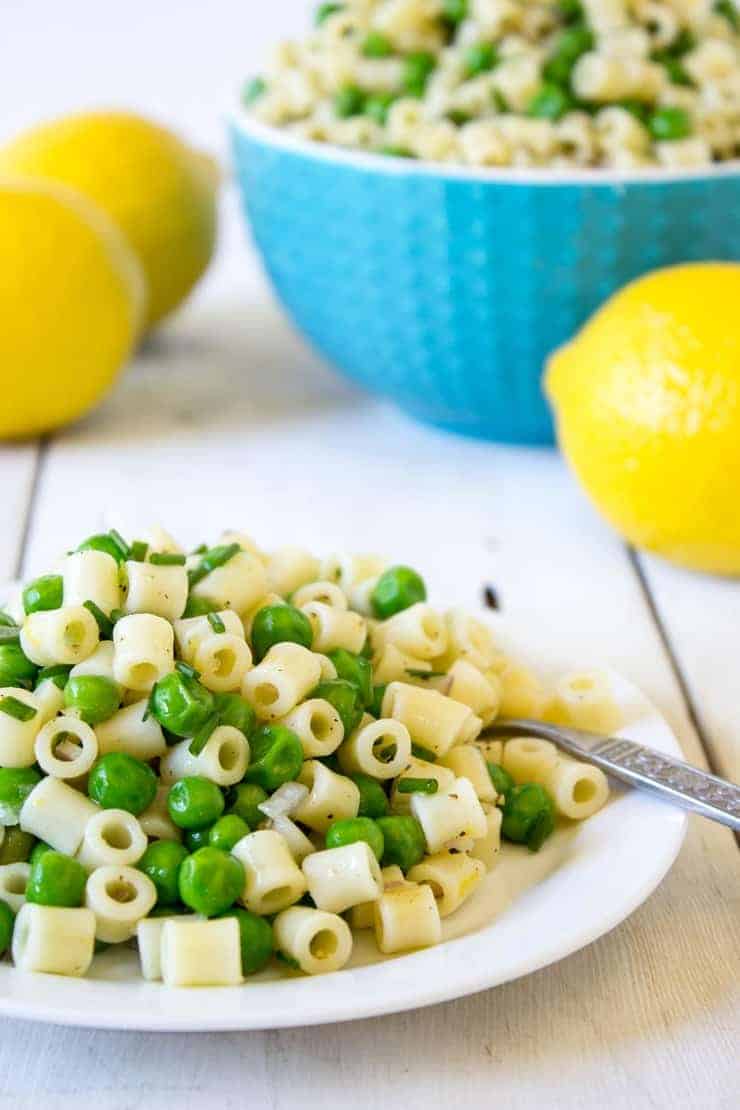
227, 419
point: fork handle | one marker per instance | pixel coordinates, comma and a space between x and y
670, 779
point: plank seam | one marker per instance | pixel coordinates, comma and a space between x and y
42, 451
672, 656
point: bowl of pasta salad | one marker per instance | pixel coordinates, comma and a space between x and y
444, 190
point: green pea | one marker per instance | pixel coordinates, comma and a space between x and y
161, 862
7, 921
635, 108
56, 880
197, 838
16, 669
95, 697
16, 783
38, 850
43, 593
210, 881
16, 846
480, 58
253, 90
376, 705
345, 697
234, 710
570, 10
277, 624
348, 101
181, 704
227, 832
194, 802
352, 829
119, 781
528, 815
397, 589
569, 47
276, 757
324, 11
501, 779
455, 11
199, 607
355, 669
417, 69
668, 124
255, 938
377, 45
243, 801
377, 106
404, 841
677, 72
109, 542
551, 102
373, 798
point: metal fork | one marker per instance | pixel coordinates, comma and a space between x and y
670, 779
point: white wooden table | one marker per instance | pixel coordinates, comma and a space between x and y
227, 419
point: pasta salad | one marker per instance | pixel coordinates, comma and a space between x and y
230, 756
527, 83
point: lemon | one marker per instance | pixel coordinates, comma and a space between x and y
72, 300
160, 192
647, 401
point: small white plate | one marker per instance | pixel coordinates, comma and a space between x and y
530, 911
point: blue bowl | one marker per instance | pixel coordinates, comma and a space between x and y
445, 288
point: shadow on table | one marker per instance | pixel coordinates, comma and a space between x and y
227, 364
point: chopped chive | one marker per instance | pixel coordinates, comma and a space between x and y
8, 634
58, 674
418, 786
200, 549
119, 542
203, 735
166, 559
215, 622
104, 624
186, 669
138, 550
6, 621
17, 709
424, 674
213, 558
421, 752
116, 614
199, 607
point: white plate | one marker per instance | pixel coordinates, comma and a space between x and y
529, 912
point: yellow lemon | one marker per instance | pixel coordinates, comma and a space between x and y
647, 401
72, 300
160, 192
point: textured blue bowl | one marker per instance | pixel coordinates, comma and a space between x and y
445, 288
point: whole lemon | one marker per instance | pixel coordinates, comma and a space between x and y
160, 192
72, 300
647, 402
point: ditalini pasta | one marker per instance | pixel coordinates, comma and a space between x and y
521, 83
235, 756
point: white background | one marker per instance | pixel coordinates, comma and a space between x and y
180, 62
